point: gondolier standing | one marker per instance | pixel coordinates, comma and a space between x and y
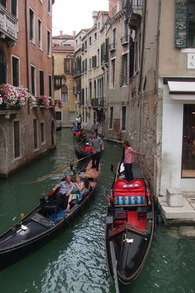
97, 146
128, 160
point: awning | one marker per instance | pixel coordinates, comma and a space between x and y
182, 90
181, 87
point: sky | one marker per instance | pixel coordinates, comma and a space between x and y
73, 15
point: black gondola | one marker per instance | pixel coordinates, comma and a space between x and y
43, 223
129, 227
59, 128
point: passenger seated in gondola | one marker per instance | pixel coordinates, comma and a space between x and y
74, 128
76, 192
86, 148
63, 191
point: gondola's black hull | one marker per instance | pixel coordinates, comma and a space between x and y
130, 258
129, 228
26, 245
81, 155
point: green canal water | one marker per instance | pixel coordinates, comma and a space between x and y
75, 262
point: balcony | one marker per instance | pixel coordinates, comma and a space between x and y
124, 40
112, 46
59, 81
98, 102
8, 26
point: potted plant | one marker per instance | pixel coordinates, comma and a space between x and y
59, 103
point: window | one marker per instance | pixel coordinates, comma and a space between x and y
14, 7
3, 2
49, 6
95, 93
39, 34
50, 86
42, 125
123, 119
123, 77
33, 81
113, 44
15, 71
64, 97
188, 151
35, 133
89, 41
68, 65
111, 118
98, 57
48, 43
2, 67
94, 61
16, 139
58, 115
112, 73
64, 94
41, 82
185, 24
90, 63
90, 90
32, 25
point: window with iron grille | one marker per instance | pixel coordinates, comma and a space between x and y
16, 139
58, 115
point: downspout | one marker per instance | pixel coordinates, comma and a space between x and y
142, 52
27, 49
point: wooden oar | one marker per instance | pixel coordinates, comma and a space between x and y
59, 170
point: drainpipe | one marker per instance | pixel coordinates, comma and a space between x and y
143, 48
27, 42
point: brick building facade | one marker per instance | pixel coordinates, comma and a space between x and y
25, 60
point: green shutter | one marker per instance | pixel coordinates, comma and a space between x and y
181, 7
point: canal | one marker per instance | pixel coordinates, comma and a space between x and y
74, 262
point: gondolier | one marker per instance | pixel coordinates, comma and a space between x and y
97, 146
129, 159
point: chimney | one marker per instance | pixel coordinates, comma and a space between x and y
74, 33
94, 15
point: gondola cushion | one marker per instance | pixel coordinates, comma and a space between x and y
136, 185
130, 200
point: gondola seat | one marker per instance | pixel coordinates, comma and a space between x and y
130, 200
